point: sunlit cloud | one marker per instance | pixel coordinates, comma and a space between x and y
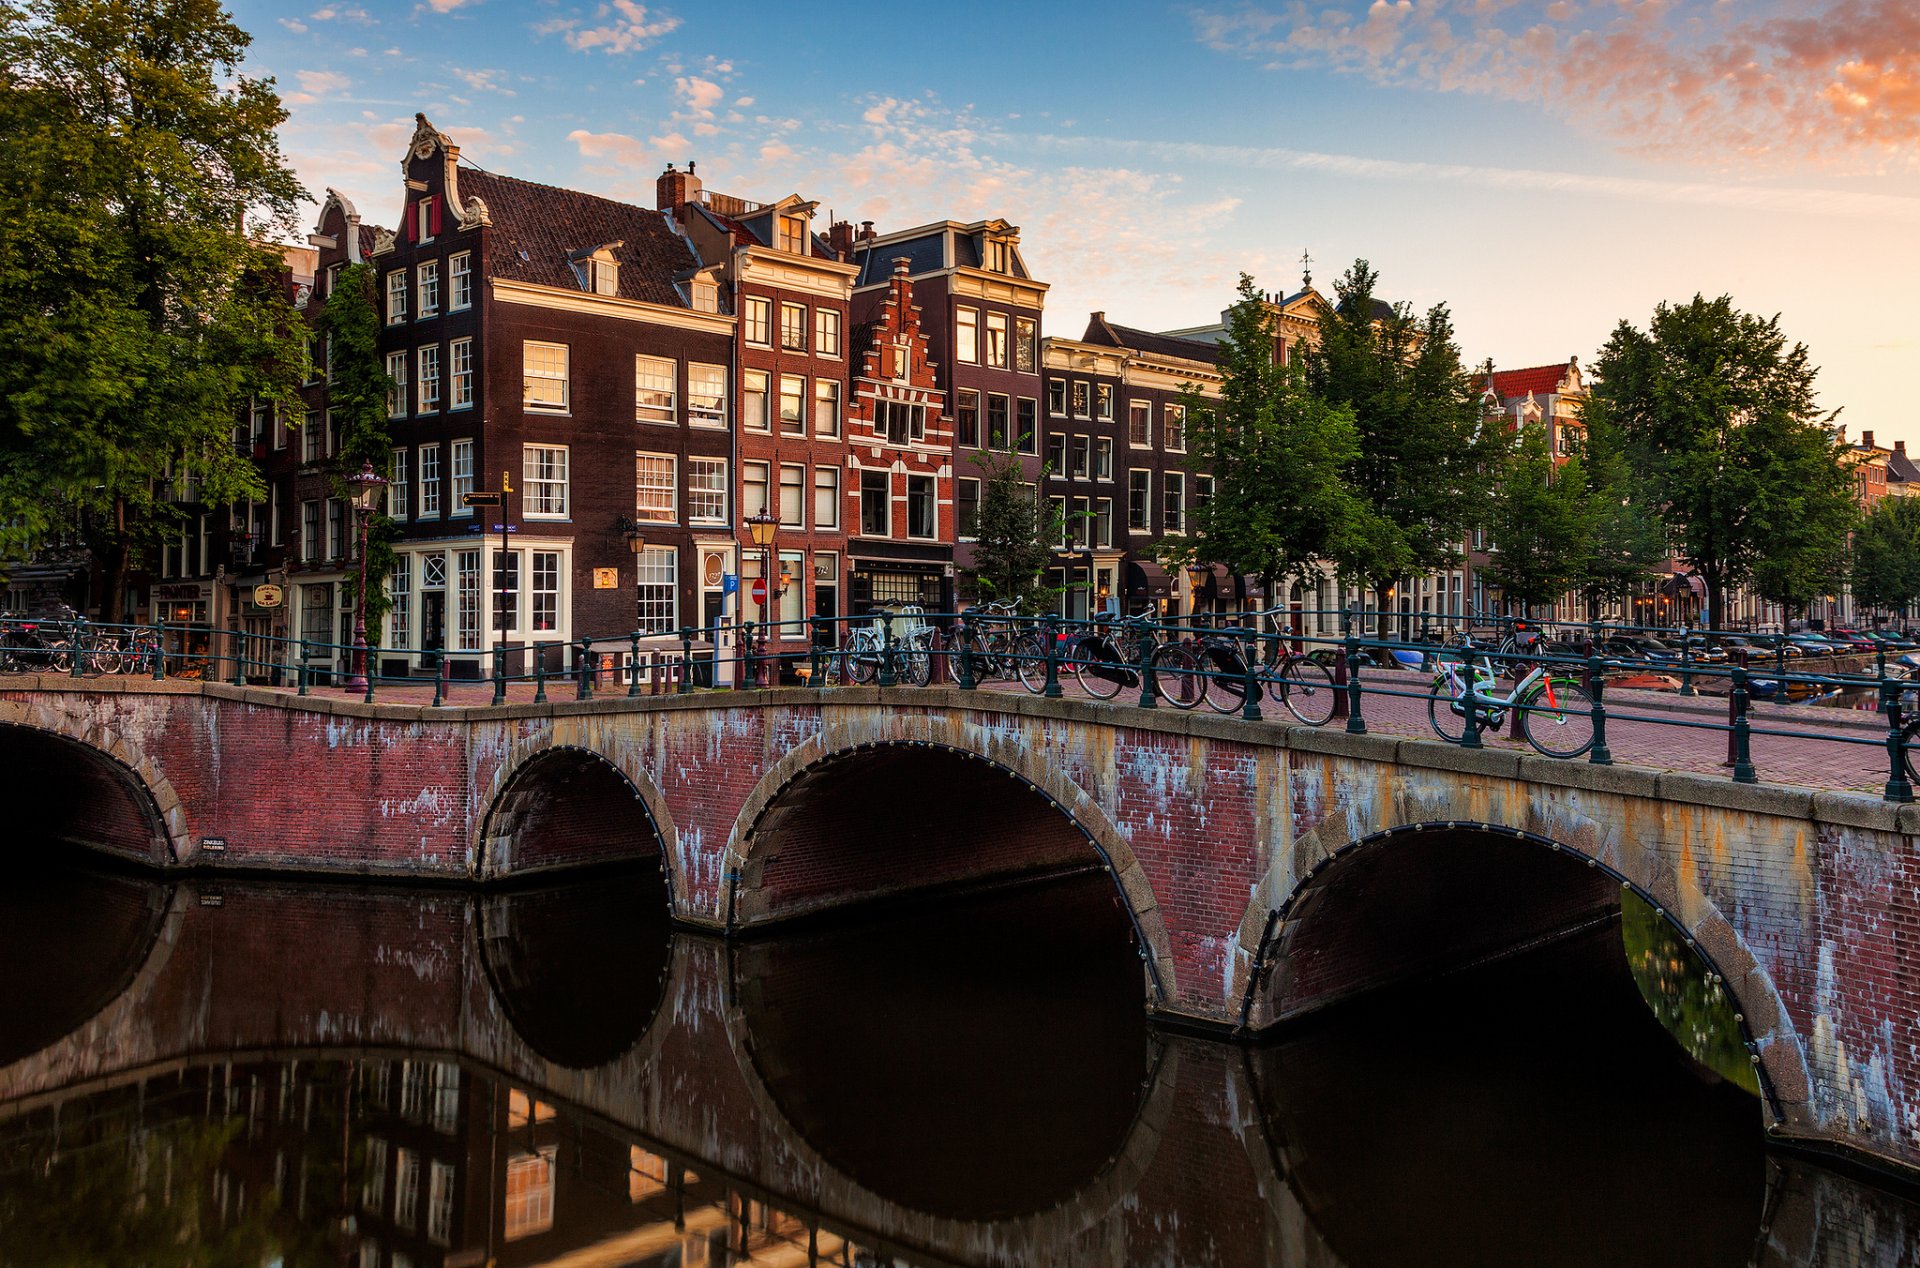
622, 26
316, 85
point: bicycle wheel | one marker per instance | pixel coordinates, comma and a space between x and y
1909, 737
862, 662
1030, 656
1177, 675
916, 664
1306, 688
1557, 717
1446, 711
1226, 682
106, 657
1098, 675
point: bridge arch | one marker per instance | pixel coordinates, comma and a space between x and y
1299, 879
551, 805
795, 791
90, 786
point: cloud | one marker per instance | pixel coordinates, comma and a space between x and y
293, 24
1768, 81
481, 80
342, 13
316, 84
624, 27
446, 6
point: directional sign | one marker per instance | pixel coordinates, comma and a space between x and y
759, 591
479, 499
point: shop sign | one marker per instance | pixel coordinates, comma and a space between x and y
606, 578
268, 596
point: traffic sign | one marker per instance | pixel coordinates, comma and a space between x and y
759, 591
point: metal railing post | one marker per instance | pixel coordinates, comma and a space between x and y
1149, 691
1470, 703
240, 660
305, 670
540, 672
1050, 628
372, 678
1250, 682
749, 659
686, 663
1356, 724
963, 648
1686, 665
1899, 788
1340, 666
583, 665
440, 680
1742, 732
499, 674
160, 651
1599, 754
888, 676
633, 664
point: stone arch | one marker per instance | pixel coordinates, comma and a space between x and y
514, 796
746, 844
152, 826
1767, 1028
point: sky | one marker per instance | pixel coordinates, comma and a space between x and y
1545, 168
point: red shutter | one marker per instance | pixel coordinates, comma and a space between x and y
406, 230
435, 202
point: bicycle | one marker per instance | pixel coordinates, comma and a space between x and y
1556, 713
1100, 664
1300, 682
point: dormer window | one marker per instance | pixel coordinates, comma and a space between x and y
705, 297
997, 256
792, 231
598, 272
427, 211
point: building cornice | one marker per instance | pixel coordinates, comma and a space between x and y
555, 300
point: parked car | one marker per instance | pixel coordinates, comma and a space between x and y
1702, 648
1816, 645
1887, 640
1639, 647
1852, 638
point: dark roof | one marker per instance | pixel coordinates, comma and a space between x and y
742, 236
368, 234
924, 254
1900, 467
1107, 334
536, 227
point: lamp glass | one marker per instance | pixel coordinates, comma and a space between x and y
636, 540
764, 527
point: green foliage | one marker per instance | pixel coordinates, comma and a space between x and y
357, 388
1716, 419
1886, 556
1538, 518
1277, 453
1683, 993
1418, 464
138, 313
1015, 535
1626, 540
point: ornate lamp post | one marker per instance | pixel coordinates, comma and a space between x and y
364, 486
637, 543
764, 528
1198, 574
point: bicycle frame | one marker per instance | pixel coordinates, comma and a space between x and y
1488, 701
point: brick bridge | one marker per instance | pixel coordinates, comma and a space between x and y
1268, 871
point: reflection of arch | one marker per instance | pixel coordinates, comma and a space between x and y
88, 785
579, 969
522, 803
1766, 1027
747, 845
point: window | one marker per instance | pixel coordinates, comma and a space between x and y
653, 386
1139, 501
373, 1191
529, 1202
544, 471
273, 520
998, 418
793, 234
312, 438
966, 336
309, 534
753, 490
793, 327
545, 375
793, 496
706, 490
1081, 457
462, 350
396, 297
1057, 514
1102, 458
966, 502
997, 340
997, 255
759, 321
826, 497
826, 407
1202, 491
1026, 344
1057, 454
427, 213
657, 589
461, 471
1140, 424
754, 387
1027, 419
440, 1203
601, 275
427, 287
826, 332
466, 611
1080, 527
876, 503
706, 297
446, 1097
1173, 420
546, 591
429, 482
460, 282
397, 384
654, 499
1057, 397
506, 591
398, 488
900, 422
1173, 502
966, 418
1103, 521
430, 378
922, 516
793, 405
1079, 399
406, 1189
706, 395
1103, 402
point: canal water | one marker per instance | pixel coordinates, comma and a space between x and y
239, 1072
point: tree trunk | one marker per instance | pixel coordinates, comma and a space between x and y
113, 602
1715, 613
1382, 596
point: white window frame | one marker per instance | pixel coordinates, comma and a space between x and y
793, 484
460, 374
545, 474
428, 387
826, 332
396, 297
826, 498
933, 508
793, 387
398, 397
756, 321
459, 476
430, 508
706, 484
1146, 502
643, 512
1147, 406
536, 364
966, 336
793, 326
426, 289
460, 281
1001, 357
652, 402
826, 407
399, 488
1173, 494
648, 576
701, 413
756, 386
886, 477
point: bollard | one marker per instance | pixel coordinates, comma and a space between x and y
633, 664
440, 682
1599, 754
499, 674
372, 678
1050, 630
1470, 702
1356, 724
306, 667
1899, 787
887, 675
583, 670
816, 634
540, 672
1686, 665
240, 661
963, 649
1340, 668
1250, 683
159, 652
1741, 734
1149, 694
686, 663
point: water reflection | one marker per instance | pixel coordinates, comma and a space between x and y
972, 1085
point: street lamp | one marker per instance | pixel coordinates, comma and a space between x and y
764, 528
637, 543
1198, 574
364, 487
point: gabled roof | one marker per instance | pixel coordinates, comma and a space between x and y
1901, 467
1110, 335
538, 228
1541, 380
745, 230
925, 254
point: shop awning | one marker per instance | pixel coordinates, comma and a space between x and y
1251, 587
1147, 579
1681, 583
1222, 582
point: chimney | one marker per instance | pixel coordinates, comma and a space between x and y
866, 231
1900, 447
840, 240
1866, 440
675, 189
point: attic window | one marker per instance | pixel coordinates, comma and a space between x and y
793, 234
997, 260
706, 297
598, 272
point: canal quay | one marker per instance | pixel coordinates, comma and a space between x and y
502, 987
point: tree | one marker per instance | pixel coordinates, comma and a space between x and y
1806, 513
1716, 419
1885, 568
1538, 519
139, 312
1418, 465
357, 388
1276, 452
1626, 540
1014, 536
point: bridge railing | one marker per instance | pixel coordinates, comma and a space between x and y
1659, 695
